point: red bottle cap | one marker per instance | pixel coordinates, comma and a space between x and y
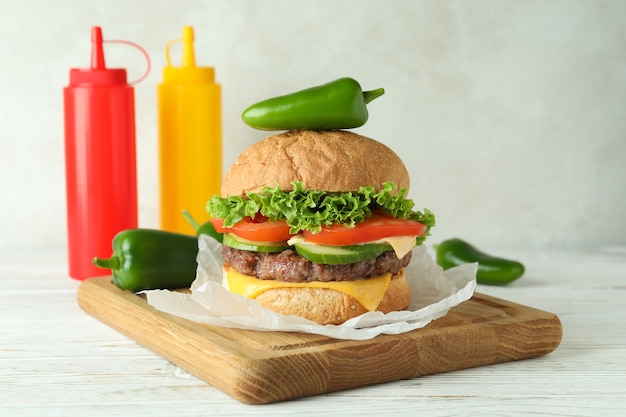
98, 74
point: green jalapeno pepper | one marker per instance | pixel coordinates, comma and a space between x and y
491, 270
205, 229
339, 104
151, 259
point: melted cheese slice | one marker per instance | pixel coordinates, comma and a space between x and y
369, 292
400, 244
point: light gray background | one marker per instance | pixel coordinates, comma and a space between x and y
510, 115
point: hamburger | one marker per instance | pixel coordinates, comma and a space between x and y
317, 224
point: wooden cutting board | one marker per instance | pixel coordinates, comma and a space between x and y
263, 367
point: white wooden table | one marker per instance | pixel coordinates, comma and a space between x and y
55, 360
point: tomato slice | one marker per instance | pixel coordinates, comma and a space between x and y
376, 227
218, 225
258, 230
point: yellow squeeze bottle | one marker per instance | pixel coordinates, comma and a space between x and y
190, 138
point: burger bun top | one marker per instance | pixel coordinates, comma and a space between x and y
329, 160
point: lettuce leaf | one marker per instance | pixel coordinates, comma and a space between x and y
311, 209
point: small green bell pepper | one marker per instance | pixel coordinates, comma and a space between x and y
339, 104
491, 270
146, 259
205, 229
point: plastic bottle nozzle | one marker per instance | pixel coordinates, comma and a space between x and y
189, 57
187, 72
97, 53
98, 73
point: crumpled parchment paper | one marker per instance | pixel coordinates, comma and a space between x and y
433, 293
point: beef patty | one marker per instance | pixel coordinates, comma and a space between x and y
288, 266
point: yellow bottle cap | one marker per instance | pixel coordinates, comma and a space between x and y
188, 72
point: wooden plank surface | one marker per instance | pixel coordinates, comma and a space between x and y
264, 367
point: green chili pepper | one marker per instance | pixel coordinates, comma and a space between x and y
339, 104
491, 270
205, 229
151, 259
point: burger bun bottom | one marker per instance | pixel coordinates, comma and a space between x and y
327, 306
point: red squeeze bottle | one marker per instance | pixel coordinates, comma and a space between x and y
101, 176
